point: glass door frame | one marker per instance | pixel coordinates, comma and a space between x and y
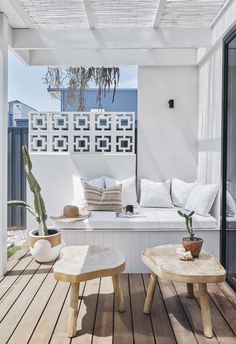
226, 41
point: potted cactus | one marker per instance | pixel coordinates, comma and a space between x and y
45, 243
191, 243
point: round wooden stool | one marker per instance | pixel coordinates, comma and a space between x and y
83, 263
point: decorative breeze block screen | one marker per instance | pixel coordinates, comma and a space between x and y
82, 132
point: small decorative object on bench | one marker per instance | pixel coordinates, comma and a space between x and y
191, 243
129, 209
71, 214
83, 263
71, 211
182, 254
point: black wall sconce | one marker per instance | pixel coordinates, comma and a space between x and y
171, 103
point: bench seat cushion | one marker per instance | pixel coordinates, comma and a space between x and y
147, 218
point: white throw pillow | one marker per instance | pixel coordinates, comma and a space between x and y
230, 205
202, 198
155, 194
129, 194
98, 182
180, 191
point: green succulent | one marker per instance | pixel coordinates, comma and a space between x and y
39, 210
189, 223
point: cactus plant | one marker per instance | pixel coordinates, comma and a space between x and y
39, 210
189, 223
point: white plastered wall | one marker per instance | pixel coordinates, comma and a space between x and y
167, 138
59, 176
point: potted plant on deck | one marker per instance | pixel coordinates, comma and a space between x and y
45, 244
191, 243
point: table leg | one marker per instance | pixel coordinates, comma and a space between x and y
205, 309
72, 321
190, 290
150, 293
118, 293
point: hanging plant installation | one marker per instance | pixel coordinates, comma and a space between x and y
78, 79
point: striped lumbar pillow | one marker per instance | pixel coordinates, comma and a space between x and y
103, 199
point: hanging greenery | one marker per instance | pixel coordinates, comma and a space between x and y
78, 79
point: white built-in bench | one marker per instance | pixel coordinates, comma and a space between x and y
153, 226
59, 176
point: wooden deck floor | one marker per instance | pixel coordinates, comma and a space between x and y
33, 309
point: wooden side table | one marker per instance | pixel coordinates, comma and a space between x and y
164, 263
83, 263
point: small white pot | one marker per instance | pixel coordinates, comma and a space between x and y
45, 248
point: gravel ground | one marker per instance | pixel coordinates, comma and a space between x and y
16, 237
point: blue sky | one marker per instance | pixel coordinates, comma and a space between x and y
26, 85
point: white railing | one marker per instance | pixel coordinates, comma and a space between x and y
82, 132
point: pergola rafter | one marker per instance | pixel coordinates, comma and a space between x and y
25, 17
89, 12
160, 9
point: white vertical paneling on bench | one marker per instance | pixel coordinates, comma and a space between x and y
132, 242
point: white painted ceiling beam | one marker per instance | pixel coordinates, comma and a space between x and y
160, 10
113, 39
22, 55
111, 57
89, 12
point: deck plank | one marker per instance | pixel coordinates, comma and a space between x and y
221, 329
59, 335
29, 321
13, 317
11, 295
180, 324
87, 313
123, 332
193, 313
142, 327
224, 305
17, 256
160, 320
13, 275
228, 292
103, 329
47, 322
34, 309
15, 259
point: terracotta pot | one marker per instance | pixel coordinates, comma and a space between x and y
194, 246
45, 248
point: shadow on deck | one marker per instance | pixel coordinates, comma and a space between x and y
34, 307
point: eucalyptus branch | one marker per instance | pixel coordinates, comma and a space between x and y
78, 78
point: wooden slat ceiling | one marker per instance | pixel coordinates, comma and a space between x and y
53, 14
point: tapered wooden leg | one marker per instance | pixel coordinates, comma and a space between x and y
205, 309
150, 293
190, 290
118, 293
72, 321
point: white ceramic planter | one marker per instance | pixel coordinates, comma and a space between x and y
45, 248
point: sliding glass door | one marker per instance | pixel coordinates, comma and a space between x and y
228, 243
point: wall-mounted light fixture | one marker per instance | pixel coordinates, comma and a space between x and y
171, 103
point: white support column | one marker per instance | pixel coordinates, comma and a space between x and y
3, 139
